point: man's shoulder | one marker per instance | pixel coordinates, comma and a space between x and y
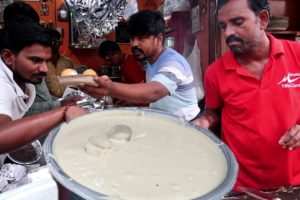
169, 53
131, 60
8, 90
291, 44
173, 58
129, 57
5, 83
284, 43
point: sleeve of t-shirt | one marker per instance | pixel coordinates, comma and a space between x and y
212, 93
40, 107
170, 75
6, 100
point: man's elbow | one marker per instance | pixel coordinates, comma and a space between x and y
157, 95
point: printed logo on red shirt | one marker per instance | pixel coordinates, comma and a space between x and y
291, 80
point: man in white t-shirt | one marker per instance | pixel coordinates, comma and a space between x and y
25, 50
169, 83
14, 101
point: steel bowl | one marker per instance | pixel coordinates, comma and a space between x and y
105, 118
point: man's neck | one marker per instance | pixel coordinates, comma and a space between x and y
259, 53
158, 52
20, 83
255, 61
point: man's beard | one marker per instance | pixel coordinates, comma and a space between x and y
243, 48
35, 78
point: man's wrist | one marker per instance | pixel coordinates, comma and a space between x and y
66, 108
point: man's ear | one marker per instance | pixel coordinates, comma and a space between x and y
160, 38
7, 56
264, 18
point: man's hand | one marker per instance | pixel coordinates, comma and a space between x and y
202, 122
209, 118
102, 90
291, 139
74, 112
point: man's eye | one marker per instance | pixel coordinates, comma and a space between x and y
222, 26
238, 22
36, 60
143, 37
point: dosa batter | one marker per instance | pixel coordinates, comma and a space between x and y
163, 160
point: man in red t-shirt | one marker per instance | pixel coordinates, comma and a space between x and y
131, 71
254, 90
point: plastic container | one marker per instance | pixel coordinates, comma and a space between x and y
141, 115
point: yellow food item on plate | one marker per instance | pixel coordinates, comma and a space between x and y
68, 72
89, 72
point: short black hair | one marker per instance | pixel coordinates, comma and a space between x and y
255, 5
17, 11
54, 33
17, 36
55, 37
146, 23
108, 46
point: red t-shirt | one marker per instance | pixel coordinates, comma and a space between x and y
132, 71
256, 113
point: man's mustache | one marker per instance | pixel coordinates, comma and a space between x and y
233, 38
40, 75
136, 50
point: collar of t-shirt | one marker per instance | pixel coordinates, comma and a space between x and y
7, 74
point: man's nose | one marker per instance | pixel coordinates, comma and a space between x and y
230, 30
107, 60
133, 42
43, 67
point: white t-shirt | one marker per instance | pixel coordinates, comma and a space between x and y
13, 101
173, 71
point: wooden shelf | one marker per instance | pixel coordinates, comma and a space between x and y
290, 35
283, 32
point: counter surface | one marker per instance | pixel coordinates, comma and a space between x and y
282, 193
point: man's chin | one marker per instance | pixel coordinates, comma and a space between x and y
36, 81
236, 49
139, 57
